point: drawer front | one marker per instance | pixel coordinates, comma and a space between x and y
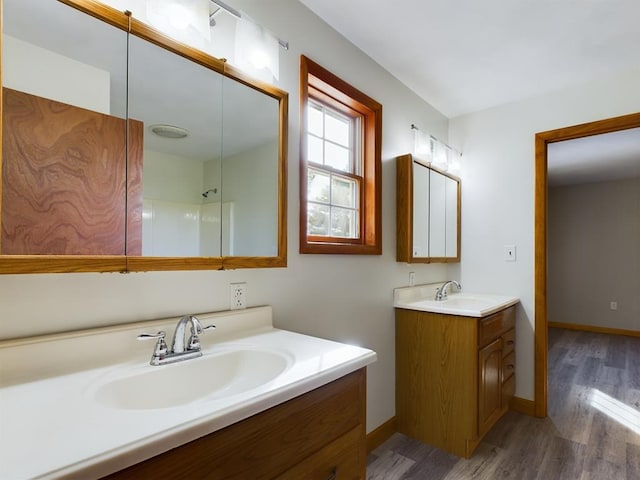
508, 366
343, 459
493, 326
508, 342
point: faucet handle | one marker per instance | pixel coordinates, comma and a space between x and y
194, 340
160, 350
146, 336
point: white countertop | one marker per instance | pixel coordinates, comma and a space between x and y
422, 298
53, 427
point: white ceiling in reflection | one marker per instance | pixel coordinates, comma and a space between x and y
166, 88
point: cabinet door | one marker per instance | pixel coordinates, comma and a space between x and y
489, 385
342, 459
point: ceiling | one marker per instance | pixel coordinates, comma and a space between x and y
463, 56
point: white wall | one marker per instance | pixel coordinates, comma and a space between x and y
251, 184
594, 254
172, 178
51, 75
498, 190
341, 297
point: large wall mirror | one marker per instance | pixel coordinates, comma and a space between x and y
124, 150
428, 213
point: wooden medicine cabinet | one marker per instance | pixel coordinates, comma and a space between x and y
427, 213
88, 183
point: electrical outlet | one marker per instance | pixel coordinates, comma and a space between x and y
412, 279
613, 305
237, 296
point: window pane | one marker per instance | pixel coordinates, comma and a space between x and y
314, 147
337, 157
343, 223
317, 186
337, 129
315, 120
343, 192
317, 219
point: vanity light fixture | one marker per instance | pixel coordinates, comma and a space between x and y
232, 11
429, 149
185, 20
169, 131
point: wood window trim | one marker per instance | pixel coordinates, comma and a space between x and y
335, 90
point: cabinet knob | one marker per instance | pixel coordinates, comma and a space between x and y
334, 474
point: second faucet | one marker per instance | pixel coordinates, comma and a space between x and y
441, 293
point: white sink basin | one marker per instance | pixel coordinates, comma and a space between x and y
209, 377
464, 304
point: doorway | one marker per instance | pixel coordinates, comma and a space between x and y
540, 237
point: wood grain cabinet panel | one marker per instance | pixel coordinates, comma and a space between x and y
311, 436
489, 385
454, 376
62, 196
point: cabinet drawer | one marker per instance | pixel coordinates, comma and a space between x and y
495, 325
508, 342
508, 366
343, 459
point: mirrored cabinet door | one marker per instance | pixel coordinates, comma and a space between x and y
437, 217
64, 139
421, 199
175, 106
250, 171
428, 213
452, 215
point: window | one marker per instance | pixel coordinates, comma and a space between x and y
340, 165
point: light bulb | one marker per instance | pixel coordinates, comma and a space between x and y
259, 58
179, 16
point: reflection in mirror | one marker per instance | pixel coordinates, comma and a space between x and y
64, 132
250, 168
80, 203
437, 214
421, 210
428, 213
179, 104
452, 217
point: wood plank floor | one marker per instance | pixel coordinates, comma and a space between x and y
592, 432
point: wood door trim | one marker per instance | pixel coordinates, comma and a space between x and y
540, 236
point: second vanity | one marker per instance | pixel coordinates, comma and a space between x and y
259, 403
455, 365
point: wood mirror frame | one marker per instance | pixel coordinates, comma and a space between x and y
15, 264
405, 217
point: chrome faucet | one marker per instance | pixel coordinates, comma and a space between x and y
162, 355
441, 293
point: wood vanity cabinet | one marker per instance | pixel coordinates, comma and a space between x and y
317, 436
454, 376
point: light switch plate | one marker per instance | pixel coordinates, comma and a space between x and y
509, 253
